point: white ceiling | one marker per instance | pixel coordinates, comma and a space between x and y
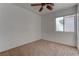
57, 6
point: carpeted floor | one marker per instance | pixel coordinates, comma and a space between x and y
42, 48
47, 48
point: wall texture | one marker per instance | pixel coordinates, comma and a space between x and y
17, 26
49, 28
78, 26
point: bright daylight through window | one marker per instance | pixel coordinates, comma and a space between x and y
65, 24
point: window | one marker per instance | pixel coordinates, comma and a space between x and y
65, 24
59, 24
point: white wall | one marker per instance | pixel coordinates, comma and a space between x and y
78, 26
17, 26
49, 28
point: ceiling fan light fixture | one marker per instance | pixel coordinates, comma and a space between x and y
47, 5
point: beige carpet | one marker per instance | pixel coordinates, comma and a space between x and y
46, 48
42, 48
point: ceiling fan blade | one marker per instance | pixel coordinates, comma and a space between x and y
41, 9
49, 7
39, 4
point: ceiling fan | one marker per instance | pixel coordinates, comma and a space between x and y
49, 6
